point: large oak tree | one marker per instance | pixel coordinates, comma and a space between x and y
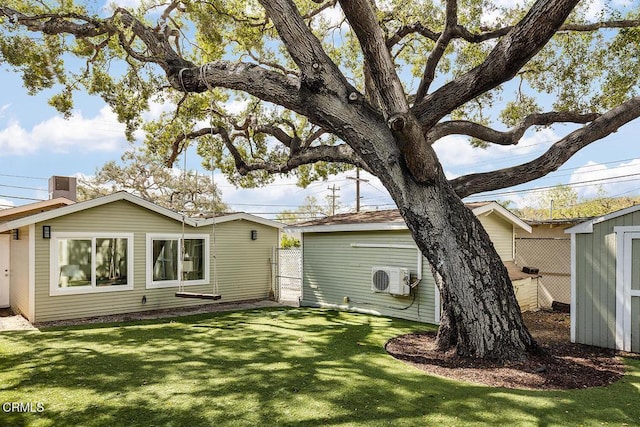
321, 85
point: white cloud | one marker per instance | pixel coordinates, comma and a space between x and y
456, 151
236, 106
122, 3
594, 10
4, 108
14, 140
615, 180
80, 134
333, 15
491, 15
156, 109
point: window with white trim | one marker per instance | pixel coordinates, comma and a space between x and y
172, 259
91, 262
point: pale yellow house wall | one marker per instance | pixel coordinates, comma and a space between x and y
242, 264
19, 267
501, 232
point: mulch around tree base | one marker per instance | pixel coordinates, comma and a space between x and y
564, 366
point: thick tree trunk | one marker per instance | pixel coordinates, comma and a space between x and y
480, 315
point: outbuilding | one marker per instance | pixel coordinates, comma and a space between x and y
368, 262
605, 280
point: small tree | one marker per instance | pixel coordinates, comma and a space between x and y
308, 210
146, 177
559, 201
288, 242
563, 202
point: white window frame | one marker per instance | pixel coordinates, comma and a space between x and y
151, 284
54, 267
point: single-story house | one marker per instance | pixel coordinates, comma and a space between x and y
368, 262
605, 280
120, 254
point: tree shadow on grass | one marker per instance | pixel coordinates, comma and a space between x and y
266, 367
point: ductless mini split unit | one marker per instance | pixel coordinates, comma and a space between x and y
390, 280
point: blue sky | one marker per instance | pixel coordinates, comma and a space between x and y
36, 143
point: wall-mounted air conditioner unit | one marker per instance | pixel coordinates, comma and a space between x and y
390, 280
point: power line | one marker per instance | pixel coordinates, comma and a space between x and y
21, 198
574, 184
263, 205
23, 188
23, 177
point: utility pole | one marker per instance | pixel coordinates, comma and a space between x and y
357, 179
333, 198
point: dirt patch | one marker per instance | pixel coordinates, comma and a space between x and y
563, 366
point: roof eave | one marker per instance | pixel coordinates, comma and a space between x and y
587, 226
370, 226
78, 207
504, 213
240, 216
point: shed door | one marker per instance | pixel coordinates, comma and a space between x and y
631, 274
4, 270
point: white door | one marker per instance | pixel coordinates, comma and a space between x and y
631, 278
4, 270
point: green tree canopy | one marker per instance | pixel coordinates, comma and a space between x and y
563, 202
142, 175
308, 210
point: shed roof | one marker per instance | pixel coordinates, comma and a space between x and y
587, 226
123, 195
391, 220
557, 221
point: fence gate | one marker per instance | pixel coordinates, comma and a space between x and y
289, 274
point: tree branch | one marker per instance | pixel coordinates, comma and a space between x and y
322, 153
553, 158
364, 23
304, 47
267, 85
461, 32
510, 137
59, 23
323, 7
623, 23
450, 22
419, 156
178, 144
514, 50
411, 29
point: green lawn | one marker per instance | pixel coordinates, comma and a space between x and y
266, 367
